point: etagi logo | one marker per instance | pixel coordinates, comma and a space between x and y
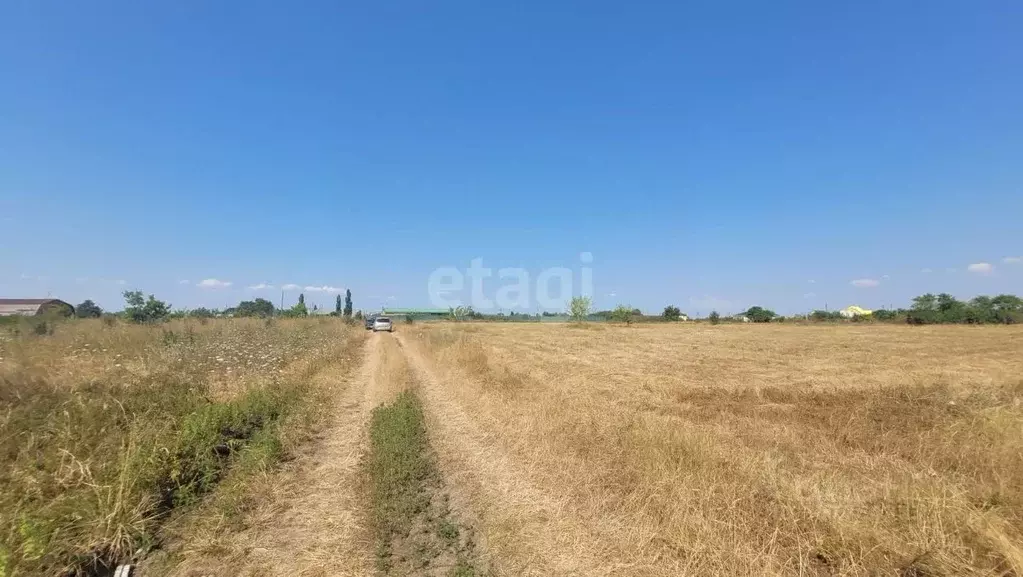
553, 289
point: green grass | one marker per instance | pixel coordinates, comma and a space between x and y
89, 473
414, 527
399, 469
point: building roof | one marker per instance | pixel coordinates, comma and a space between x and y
30, 306
391, 311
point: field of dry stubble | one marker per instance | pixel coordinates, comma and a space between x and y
733, 450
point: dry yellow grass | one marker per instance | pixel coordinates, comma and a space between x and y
733, 450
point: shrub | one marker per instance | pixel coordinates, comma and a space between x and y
141, 310
671, 313
579, 308
623, 314
88, 310
760, 314
714, 317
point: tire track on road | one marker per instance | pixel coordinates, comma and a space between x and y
526, 531
318, 526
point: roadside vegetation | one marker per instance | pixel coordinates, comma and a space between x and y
108, 427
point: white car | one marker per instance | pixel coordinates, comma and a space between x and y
382, 324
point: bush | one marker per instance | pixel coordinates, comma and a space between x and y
671, 313
88, 310
714, 317
623, 314
141, 310
760, 314
579, 308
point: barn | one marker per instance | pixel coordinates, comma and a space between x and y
35, 307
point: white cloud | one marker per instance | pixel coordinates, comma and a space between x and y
183, 282
213, 283
885, 277
809, 295
323, 289
261, 286
926, 270
865, 283
291, 287
612, 294
1012, 259
981, 268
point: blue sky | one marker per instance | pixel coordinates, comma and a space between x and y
711, 155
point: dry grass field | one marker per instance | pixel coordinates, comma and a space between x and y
732, 450
310, 447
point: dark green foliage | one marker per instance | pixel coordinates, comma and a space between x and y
88, 310
202, 313
819, 315
142, 310
714, 317
944, 308
337, 305
885, 315
760, 314
348, 303
257, 308
671, 313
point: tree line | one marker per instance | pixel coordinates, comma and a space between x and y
141, 309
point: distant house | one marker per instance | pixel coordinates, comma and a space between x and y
417, 313
35, 307
854, 311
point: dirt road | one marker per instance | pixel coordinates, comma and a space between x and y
526, 530
313, 519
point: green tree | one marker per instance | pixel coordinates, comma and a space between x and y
579, 308
301, 299
143, 310
202, 313
299, 310
927, 302
760, 314
256, 308
622, 314
88, 310
348, 303
671, 313
337, 305
714, 317
884, 315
